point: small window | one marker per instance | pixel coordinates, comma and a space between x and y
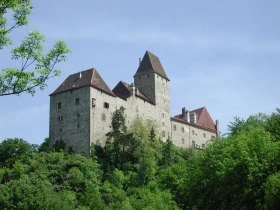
204, 135
77, 101
106, 105
93, 102
183, 141
192, 132
78, 125
139, 78
148, 75
60, 118
182, 130
103, 117
193, 143
78, 115
213, 137
162, 114
174, 127
59, 105
60, 130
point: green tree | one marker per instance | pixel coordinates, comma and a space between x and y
35, 68
273, 125
12, 150
59, 145
44, 147
272, 191
168, 153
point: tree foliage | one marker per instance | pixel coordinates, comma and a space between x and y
35, 67
136, 170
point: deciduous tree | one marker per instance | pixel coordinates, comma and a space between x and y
35, 68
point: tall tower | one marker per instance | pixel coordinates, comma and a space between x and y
151, 79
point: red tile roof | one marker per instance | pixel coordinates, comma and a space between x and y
86, 78
203, 119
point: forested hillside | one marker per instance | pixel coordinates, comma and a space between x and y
136, 170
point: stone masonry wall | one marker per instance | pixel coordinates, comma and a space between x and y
186, 136
71, 122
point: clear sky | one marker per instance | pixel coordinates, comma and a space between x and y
224, 55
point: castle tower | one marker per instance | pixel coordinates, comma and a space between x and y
151, 79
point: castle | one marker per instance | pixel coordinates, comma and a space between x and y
82, 106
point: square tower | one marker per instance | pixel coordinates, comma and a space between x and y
152, 81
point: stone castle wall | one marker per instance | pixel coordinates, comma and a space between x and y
84, 114
80, 125
71, 121
186, 136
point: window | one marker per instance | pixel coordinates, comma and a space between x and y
182, 130
213, 137
59, 105
148, 75
174, 127
193, 143
162, 114
183, 141
106, 105
60, 130
78, 115
77, 101
78, 125
192, 132
103, 117
60, 118
139, 78
204, 135
93, 102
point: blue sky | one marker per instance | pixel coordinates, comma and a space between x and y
223, 55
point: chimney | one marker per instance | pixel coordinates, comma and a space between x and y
193, 117
140, 61
132, 89
184, 110
186, 114
218, 127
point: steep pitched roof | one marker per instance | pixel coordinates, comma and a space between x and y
90, 77
203, 119
122, 90
150, 64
